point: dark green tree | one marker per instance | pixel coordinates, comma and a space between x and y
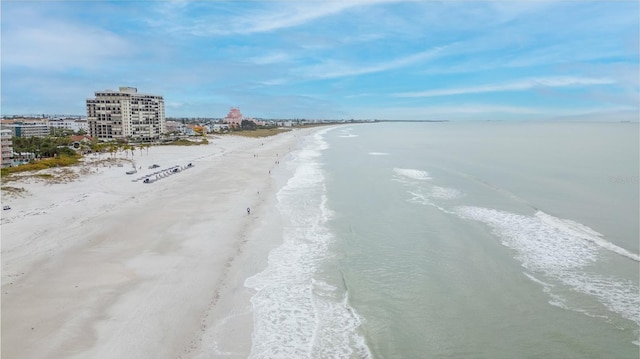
248, 125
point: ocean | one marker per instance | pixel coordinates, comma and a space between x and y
455, 240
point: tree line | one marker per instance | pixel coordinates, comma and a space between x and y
43, 147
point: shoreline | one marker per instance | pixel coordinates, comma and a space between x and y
105, 267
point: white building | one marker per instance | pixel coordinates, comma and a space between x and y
31, 129
82, 124
7, 147
219, 127
175, 126
69, 124
126, 114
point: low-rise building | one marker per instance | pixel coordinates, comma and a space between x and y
31, 129
81, 143
69, 124
219, 127
20, 158
175, 126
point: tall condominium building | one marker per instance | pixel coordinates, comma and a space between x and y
7, 147
126, 114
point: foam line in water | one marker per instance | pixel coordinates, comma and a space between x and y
444, 192
559, 301
540, 247
492, 187
556, 300
346, 133
378, 154
412, 174
423, 198
581, 231
545, 244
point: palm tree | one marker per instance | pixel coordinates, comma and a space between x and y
113, 148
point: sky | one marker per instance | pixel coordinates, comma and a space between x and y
350, 59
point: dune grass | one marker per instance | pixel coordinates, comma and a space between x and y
60, 161
260, 132
185, 142
13, 191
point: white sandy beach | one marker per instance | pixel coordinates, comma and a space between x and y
104, 267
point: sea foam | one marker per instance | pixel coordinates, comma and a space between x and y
586, 233
413, 174
558, 249
297, 315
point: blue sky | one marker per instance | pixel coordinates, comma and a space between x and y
364, 59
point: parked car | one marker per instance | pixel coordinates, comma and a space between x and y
154, 166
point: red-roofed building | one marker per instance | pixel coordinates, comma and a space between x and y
81, 143
81, 138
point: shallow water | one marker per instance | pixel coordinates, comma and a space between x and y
484, 240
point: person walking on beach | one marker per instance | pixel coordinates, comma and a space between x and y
248, 210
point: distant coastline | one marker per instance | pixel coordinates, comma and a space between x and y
412, 121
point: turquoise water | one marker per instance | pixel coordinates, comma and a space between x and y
448, 240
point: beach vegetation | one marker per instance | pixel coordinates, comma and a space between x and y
13, 191
145, 146
185, 142
248, 125
61, 132
260, 132
99, 147
43, 164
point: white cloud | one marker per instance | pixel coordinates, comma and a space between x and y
272, 58
273, 82
290, 17
281, 15
334, 69
43, 43
512, 86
